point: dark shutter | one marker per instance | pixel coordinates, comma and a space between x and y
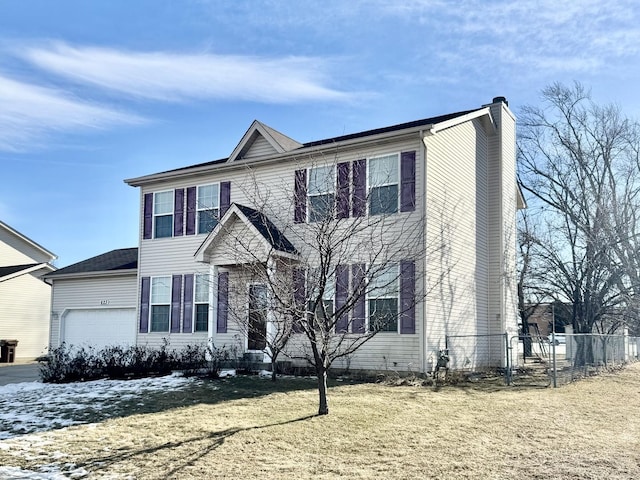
191, 211
176, 302
359, 191
225, 197
299, 298
145, 292
342, 294
223, 301
407, 181
343, 203
187, 326
407, 297
147, 215
300, 197
358, 290
178, 213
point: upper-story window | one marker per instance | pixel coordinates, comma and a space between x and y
383, 184
208, 206
201, 300
163, 214
321, 193
160, 303
383, 299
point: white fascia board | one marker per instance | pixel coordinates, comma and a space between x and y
35, 268
103, 273
435, 128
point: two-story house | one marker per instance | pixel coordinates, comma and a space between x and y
449, 180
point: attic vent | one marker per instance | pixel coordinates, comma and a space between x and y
500, 99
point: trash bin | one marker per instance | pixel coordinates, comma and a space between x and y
8, 351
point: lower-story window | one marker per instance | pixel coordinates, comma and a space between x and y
383, 300
201, 301
160, 303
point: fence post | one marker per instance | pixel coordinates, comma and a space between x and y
506, 351
553, 353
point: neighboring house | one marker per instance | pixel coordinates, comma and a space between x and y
24, 297
94, 301
455, 171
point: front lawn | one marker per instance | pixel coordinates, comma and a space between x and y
589, 429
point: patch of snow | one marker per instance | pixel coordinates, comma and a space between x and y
230, 372
264, 374
34, 407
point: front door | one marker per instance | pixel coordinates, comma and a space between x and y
257, 317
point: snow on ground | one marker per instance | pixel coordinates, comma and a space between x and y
32, 407
35, 407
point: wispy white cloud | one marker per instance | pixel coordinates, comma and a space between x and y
29, 114
546, 36
178, 77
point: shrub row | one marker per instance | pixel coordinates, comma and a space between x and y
70, 364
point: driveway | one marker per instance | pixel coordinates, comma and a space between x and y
19, 372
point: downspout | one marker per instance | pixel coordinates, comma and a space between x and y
423, 339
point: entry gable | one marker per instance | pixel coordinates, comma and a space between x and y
244, 235
261, 140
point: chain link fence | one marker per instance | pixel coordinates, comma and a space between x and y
532, 360
562, 358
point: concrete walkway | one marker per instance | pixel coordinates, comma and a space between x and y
19, 372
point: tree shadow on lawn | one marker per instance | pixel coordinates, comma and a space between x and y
213, 440
194, 392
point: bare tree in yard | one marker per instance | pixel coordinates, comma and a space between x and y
579, 161
324, 260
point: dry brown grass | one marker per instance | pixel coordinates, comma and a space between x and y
586, 430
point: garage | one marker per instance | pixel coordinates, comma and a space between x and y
99, 327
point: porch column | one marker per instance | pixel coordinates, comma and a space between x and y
213, 303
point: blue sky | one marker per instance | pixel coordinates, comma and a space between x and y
92, 93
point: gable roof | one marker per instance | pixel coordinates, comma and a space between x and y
283, 144
27, 240
115, 261
276, 142
266, 232
13, 271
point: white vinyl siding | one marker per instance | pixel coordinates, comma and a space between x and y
457, 217
24, 314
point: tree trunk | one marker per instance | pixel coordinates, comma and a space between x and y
274, 370
323, 406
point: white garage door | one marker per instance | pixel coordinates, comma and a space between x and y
100, 327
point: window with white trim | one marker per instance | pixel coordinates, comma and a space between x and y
160, 303
163, 214
321, 193
208, 207
201, 301
383, 299
384, 184
313, 289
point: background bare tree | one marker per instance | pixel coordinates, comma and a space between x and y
579, 161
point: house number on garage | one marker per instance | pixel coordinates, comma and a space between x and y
104, 302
